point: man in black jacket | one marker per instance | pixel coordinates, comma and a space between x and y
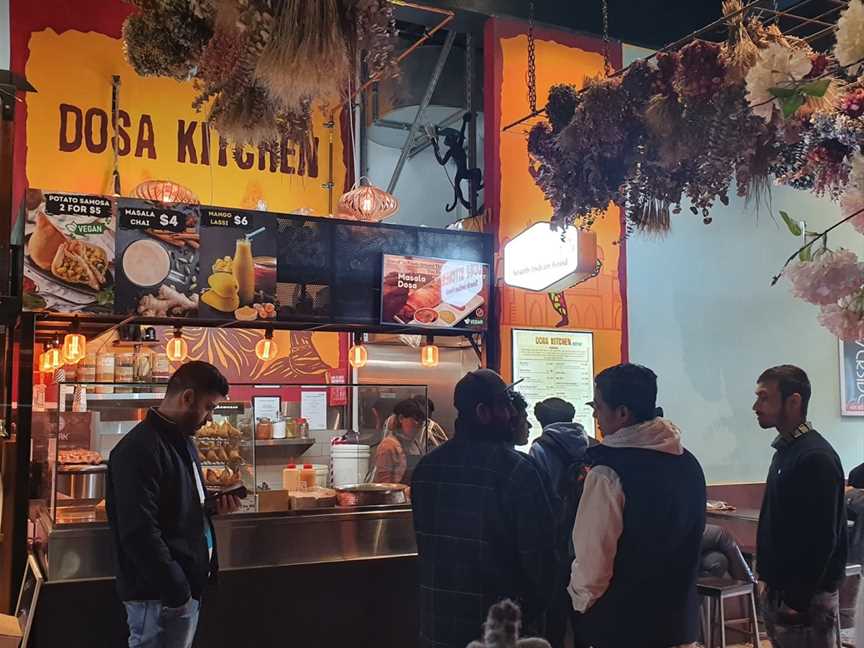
801, 542
163, 538
484, 518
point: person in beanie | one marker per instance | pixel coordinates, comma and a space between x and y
801, 543
562, 443
638, 533
485, 521
560, 453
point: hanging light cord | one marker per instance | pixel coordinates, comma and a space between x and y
607, 65
532, 61
115, 115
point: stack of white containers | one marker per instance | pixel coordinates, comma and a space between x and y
349, 464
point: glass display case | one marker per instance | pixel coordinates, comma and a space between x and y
294, 447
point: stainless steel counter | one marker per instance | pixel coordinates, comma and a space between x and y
83, 551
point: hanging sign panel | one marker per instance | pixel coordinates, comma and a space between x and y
68, 252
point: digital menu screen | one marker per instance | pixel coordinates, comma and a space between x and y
434, 293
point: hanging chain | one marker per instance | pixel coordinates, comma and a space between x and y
607, 64
532, 61
469, 73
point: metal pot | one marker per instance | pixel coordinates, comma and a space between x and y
82, 481
372, 494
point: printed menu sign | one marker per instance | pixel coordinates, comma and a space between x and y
238, 264
151, 218
555, 363
68, 253
852, 378
428, 293
157, 253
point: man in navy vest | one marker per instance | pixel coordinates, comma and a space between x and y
801, 543
638, 532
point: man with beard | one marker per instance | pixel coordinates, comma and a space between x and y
163, 538
484, 518
801, 543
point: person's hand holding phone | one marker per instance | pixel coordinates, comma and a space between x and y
226, 504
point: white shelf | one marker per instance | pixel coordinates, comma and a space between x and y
120, 397
299, 443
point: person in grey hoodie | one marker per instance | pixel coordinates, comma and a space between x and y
562, 443
560, 453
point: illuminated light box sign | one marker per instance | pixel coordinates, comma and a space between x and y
542, 260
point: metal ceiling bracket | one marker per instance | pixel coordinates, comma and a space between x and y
427, 99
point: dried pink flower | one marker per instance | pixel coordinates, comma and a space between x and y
827, 279
844, 321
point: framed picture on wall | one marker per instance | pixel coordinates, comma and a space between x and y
851, 378
555, 363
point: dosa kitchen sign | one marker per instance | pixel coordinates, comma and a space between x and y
426, 292
546, 260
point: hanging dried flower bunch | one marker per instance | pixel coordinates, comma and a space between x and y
680, 129
258, 65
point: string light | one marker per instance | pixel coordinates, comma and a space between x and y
429, 353
358, 356
74, 344
177, 349
266, 348
44, 367
54, 356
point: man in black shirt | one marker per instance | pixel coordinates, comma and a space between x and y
163, 538
485, 521
801, 542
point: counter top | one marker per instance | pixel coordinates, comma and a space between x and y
82, 551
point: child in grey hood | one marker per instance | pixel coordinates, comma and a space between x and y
560, 454
562, 443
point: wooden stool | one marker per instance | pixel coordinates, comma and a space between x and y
714, 592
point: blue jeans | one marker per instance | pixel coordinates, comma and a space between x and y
151, 625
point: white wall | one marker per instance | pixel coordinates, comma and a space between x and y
5, 38
702, 314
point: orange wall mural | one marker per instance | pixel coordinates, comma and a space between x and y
598, 305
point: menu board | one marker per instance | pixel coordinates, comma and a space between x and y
68, 253
852, 378
553, 363
237, 264
157, 259
430, 293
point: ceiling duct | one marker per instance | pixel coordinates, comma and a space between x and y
391, 105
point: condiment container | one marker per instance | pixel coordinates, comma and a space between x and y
302, 428
279, 428
87, 368
124, 372
307, 476
291, 478
105, 373
161, 368
264, 429
143, 367
291, 428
